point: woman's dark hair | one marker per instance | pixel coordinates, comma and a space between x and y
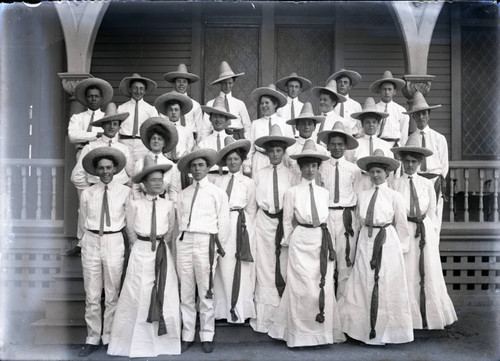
415, 155
273, 99
306, 160
157, 129
378, 165
238, 151
331, 95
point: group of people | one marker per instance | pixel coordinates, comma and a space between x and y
309, 227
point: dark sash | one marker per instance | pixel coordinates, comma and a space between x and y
214, 240
278, 278
420, 232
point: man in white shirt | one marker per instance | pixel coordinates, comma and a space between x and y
135, 87
346, 80
292, 86
193, 120
94, 93
204, 226
239, 127
394, 129
436, 166
103, 209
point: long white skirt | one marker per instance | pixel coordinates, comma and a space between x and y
439, 308
224, 274
131, 335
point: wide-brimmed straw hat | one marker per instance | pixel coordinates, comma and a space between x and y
412, 146
110, 114
369, 107
127, 82
339, 129
386, 77
210, 156
218, 108
149, 167
351, 74
305, 83
309, 151
306, 113
104, 152
106, 90
172, 135
420, 104
225, 72
185, 102
378, 157
330, 87
269, 90
274, 135
229, 145
181, 72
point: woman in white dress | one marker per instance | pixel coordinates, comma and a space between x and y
234, 281
431, 306
375, 307
308, 314
147, 320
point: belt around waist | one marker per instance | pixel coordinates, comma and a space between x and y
390, 139
273, 215
382, 226
307, 225
123, 136
148, 239
105, 232
339, 207
236, 209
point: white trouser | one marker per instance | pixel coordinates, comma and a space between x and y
102, 262
193, 269
136, 149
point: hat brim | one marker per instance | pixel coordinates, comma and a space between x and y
351, 144
120, 117
171, 76
109, 152
359, 115
217, 110
259, 92
392, 164
310, 154
316, 118
419, 109
126, 82
139, 177
317, 89
353, 75
171, 130
305, 83
209, 155
185, 102
375, 86
261, 142
420, 150
229, 76
106, 90
243, 144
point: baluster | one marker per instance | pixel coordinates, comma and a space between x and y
23, 193
466, 196
495, 195
452, 192
53, 206
481, 192
38, 192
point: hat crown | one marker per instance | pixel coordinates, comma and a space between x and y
332, 85
413, 142
272, 86
219, 103
378, 153
136, 75
228, 140
182, 68
307, 110
419, 101
148, 162
338, 126
111, 109
369, 105
293, 75
309, 146
275, 131
225, 69
387, 75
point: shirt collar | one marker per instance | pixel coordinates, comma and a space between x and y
381, 186
202, 182
236, 174
228, 95
306, 182
425, 130
149, 197
289, 99
340, 160
106, 139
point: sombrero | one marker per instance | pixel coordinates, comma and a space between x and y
149, 167
225, 72
369, 107
306, 113
103, 152
420, 104
309, 151
209, 155
338, 128
181, 72
387, 77
379, 158
218, 108
185, 102
274, 135
106, 90
351, 74
412, 146
330, 87
305, 83
229, 145
110, 114
171, 130
270, 91
127, 81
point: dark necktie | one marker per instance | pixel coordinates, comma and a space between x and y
104, 212
423, 165
414, 204
369, 212
382, 125
192, 202
292, 113
156, 159
275, 190
135, 129
183, 120
230, 187
226, 103
89, 128
371, 145
152, 234
314, 210
336, 192
110, 142
342, 112
218, 149
270, 124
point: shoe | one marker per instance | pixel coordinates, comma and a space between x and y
87, 350
185, 345
74, 252
207, 347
